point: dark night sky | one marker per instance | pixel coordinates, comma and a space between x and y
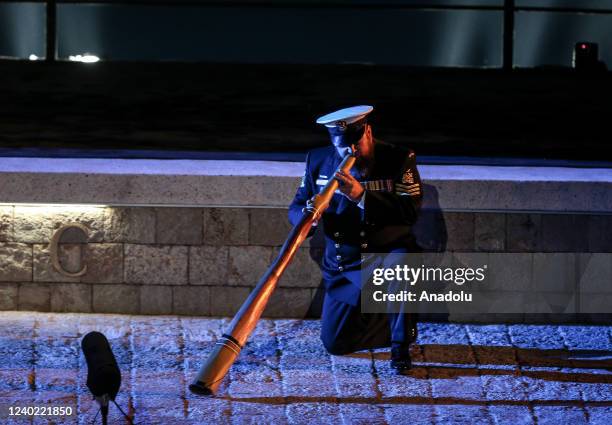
298, 34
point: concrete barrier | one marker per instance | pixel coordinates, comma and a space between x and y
272, 184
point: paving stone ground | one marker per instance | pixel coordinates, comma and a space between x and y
464, 374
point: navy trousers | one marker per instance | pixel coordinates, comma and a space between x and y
344, 329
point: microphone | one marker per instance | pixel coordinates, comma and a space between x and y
103, 375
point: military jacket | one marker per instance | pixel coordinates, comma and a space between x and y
393, 194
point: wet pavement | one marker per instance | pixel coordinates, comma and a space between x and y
491, 374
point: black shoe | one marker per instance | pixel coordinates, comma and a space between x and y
400, 358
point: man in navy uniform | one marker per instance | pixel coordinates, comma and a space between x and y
373, 211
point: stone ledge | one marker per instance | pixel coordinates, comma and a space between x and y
272, 184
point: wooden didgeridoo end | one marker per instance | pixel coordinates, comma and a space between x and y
214, 370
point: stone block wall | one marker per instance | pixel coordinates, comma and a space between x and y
205, 261
514, 232
144, 260
535, 236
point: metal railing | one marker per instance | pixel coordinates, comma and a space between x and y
508, 8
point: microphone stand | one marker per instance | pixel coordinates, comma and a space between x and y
124, 414
103, 402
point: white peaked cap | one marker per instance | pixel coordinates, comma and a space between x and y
347, 115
